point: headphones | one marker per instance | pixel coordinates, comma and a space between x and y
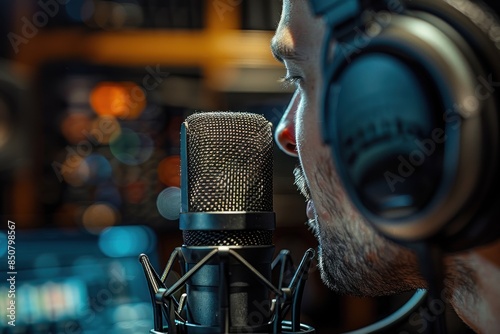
411, 111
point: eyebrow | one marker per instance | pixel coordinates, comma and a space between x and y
281, 51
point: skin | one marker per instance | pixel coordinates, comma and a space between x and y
353, 258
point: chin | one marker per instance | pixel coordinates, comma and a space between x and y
355, 260
353, 257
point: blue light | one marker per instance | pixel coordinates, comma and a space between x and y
100, 168
46, 265
3, 244
169, 203
123, 241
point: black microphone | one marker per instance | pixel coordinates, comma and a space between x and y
226, 182
227, 221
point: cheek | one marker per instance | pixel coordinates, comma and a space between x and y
307, 128
315, 157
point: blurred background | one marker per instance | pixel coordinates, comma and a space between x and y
92, 95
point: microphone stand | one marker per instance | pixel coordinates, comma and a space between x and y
166, 306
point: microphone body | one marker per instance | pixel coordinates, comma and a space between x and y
226, 175
227, 222
242, 308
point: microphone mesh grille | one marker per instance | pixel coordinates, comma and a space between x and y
229, 168
230, 162
228, 238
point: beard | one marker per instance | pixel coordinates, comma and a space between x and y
353, 257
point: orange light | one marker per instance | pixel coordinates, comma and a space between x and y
74, 126
98, 216
169, 171
123, 100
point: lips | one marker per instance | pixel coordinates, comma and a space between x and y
312, 222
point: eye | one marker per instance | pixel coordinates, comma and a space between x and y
289, 80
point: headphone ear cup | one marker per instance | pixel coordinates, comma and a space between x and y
384, 111
414, 145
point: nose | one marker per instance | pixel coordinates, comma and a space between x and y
285, 131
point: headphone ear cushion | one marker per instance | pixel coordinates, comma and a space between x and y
384, 113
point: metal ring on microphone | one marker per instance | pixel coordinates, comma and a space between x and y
217, 221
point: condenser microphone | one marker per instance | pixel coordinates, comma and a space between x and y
226, 179
227, 222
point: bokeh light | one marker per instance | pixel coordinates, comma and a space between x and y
116, 15
132, 148
169, 171
80, 10
75, 171
132, 312
99, 168
75, 126
99, 216
169, 203
104, 128
122, 241
87, 267
124, 100
46, 265
3, 244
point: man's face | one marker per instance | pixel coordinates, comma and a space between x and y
353, 258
